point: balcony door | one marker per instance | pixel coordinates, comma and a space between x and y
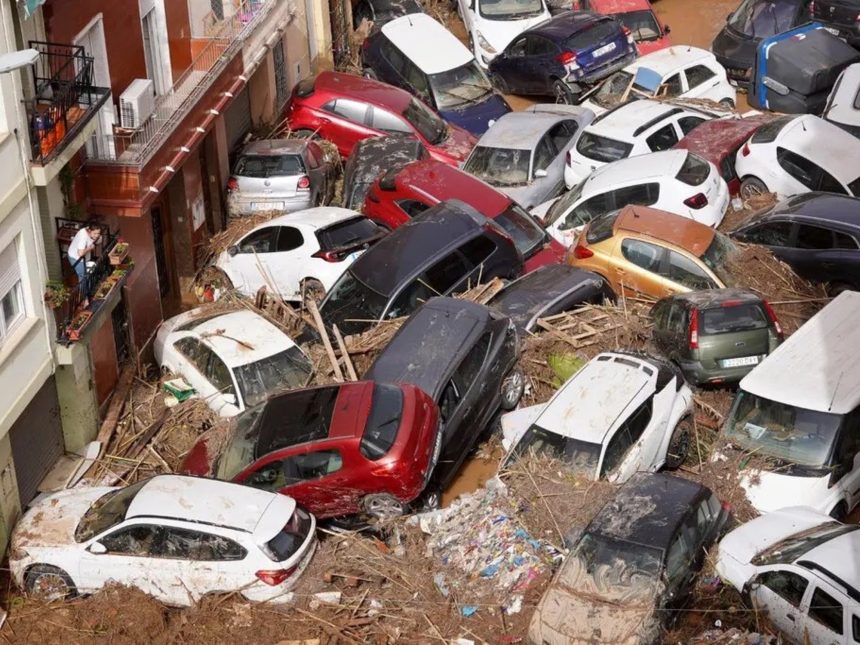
155, 67
92, 39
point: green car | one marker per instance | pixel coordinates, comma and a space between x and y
716, 335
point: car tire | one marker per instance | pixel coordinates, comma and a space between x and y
727, 102
835, 288
46, 582
513, 386
562, 93
839, 511
312, 289
752, 186
679, 444
369, 73
382, 506
500, 84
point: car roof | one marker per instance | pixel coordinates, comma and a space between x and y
714, 139
804, 135
668, 60
831, 556
273, 147
619, 6
241, 337
410, 247
429, 343
315, 218
812, 206
443, 181
815, 368
682, 232
566, 24
844, 103
707, 298
203, 500
665, 163
623, 121
647, 509
519, 130
369, 90
427, 43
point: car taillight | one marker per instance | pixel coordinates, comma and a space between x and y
731, 303
276, 577
812, 8
304, 182
726, 507
694, 329
696, 201
771, 314
582, 252
330, 256
745, 150
857, 19
232, 184
566, 58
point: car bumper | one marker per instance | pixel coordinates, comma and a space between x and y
240, 206
280, 594
596, 74
698, 374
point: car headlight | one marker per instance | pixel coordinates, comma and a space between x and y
483, 44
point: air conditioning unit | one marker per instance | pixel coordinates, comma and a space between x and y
137, 103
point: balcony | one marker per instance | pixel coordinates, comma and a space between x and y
62, 113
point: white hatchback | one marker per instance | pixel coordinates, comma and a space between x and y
233, 360
492, 24
843, 104
303, 252
676, 181
620, 414
176, 538
626, 131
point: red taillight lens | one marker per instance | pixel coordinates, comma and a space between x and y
276, 577
697, 201
694, 329
812, 8
232, 184
731, 303
329, 256
772, 315
726, 507
626, 31
566, 58
304, 182
582, 252
857, 19
745, 151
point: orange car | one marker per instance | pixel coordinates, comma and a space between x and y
644, 251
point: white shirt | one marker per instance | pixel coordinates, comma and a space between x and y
80, 243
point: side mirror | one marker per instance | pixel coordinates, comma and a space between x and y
540, 173
232, 250
755, 584
667, 29
97, 548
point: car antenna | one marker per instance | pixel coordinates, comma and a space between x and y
409, 19
835, 390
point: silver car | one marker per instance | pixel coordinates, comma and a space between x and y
523, 153
279, 174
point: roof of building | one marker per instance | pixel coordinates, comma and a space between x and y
427, 43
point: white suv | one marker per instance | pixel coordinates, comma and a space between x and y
801, 568
620, 414
492, 24
626, 131
676, 181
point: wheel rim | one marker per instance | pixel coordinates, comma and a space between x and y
560, 94
384, 507
50, 586
512, 388
432, 500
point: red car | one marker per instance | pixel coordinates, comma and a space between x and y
395, 197
345, 109
719, 140
636, 15
360, 447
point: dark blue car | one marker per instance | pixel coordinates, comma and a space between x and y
419, 55
563, 56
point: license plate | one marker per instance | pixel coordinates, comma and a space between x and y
267, 206
740, 362
833, 31
605, 49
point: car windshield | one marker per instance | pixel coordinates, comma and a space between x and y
262, 166
499, 166
781, 431
563, 204
795, 546
285, 370
383, 422
521, 226
106, 512
509, 9
460, 86
613, 89
581, 457
351, 300
426, 122
239, 451
717, 256
642, 24
593, 146
764, 18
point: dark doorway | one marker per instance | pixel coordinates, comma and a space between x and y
160, 253
120, 331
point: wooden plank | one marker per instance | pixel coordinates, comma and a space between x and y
554, 332
117, 403
350, 368
329, 350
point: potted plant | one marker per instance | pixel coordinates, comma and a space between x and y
118, 252
56, 294
73, 330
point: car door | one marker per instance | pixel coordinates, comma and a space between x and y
701, 82
511, 66
682, 271
547, 162
640, 274
347, 123
126, 560
247, 264
804, 174
664, 138
846, 467
540, 64
824, 623
823, 255
640, 444
284, 266
780, 592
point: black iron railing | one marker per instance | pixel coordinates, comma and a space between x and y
65, 98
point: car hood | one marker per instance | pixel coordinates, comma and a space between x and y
476, 117
458, 145
733, 49
514, 424
501, 32
768, 491
52, 521
527, 196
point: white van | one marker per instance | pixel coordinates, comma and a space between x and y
798, 412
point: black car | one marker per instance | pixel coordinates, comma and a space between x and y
817, 233
563, 56
754, 20
841, 15
381, 11
370, 158
633, 564
548, 290
464, 355
448, 248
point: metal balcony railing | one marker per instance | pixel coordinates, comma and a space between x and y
65, 98
225, 40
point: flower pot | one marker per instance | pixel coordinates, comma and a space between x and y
73, 330
118, 253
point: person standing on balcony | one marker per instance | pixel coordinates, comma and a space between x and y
82, 245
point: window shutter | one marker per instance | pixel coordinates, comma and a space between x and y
10, 270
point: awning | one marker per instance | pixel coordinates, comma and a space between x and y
29, 6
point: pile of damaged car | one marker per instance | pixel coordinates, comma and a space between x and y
500, 321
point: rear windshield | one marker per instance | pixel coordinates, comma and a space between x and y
603, 149
601, 228
770, 131
580, 456
351, 300
285, 370
592, 37
764, 18
741, 317
261, 166
285, 544
517, 223
694, 170
383, 422
642, 24
426, 122
106, 512
350, 232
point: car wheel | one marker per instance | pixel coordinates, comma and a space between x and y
679, 444
382, 506
304, 133
47, 583
369, 73
501, 84
431, 500
512, 388
835, 288
312, 290
562, 93
839, 511
727, 102
752, 186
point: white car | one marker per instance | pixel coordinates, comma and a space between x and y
800, 569
843, 104
300, 253
626, 131
679, 71
798, 154
492, 24
620, 414
176, 538
676, 181
233, 360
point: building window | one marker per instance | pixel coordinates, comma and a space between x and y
11, 291
152, 52
217, 9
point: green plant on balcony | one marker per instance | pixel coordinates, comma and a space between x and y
56, 294
67, 188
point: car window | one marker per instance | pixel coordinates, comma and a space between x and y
802, 169
447, 272
854, 186
677, 318
770, 234
218, 374
261, 241
697, 75
826, 610
642, 254
660, 314
137, 540
615, 451
688, 123
264, 166
417, 79
855, 628
684, 271
662, 139
562, 132
785, 584
448, 401
195, 351
518, 48
387, 122
289, 238
706, 515
814, 237
638, 421
295, 469
844, 241
673, 85
478, 250
544, 154
587, 211
539, 46
348, 109
412, 207
469, 369
313, 154
727, 167
831, 184
394, 56
677, 559
641, 194
185, 544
